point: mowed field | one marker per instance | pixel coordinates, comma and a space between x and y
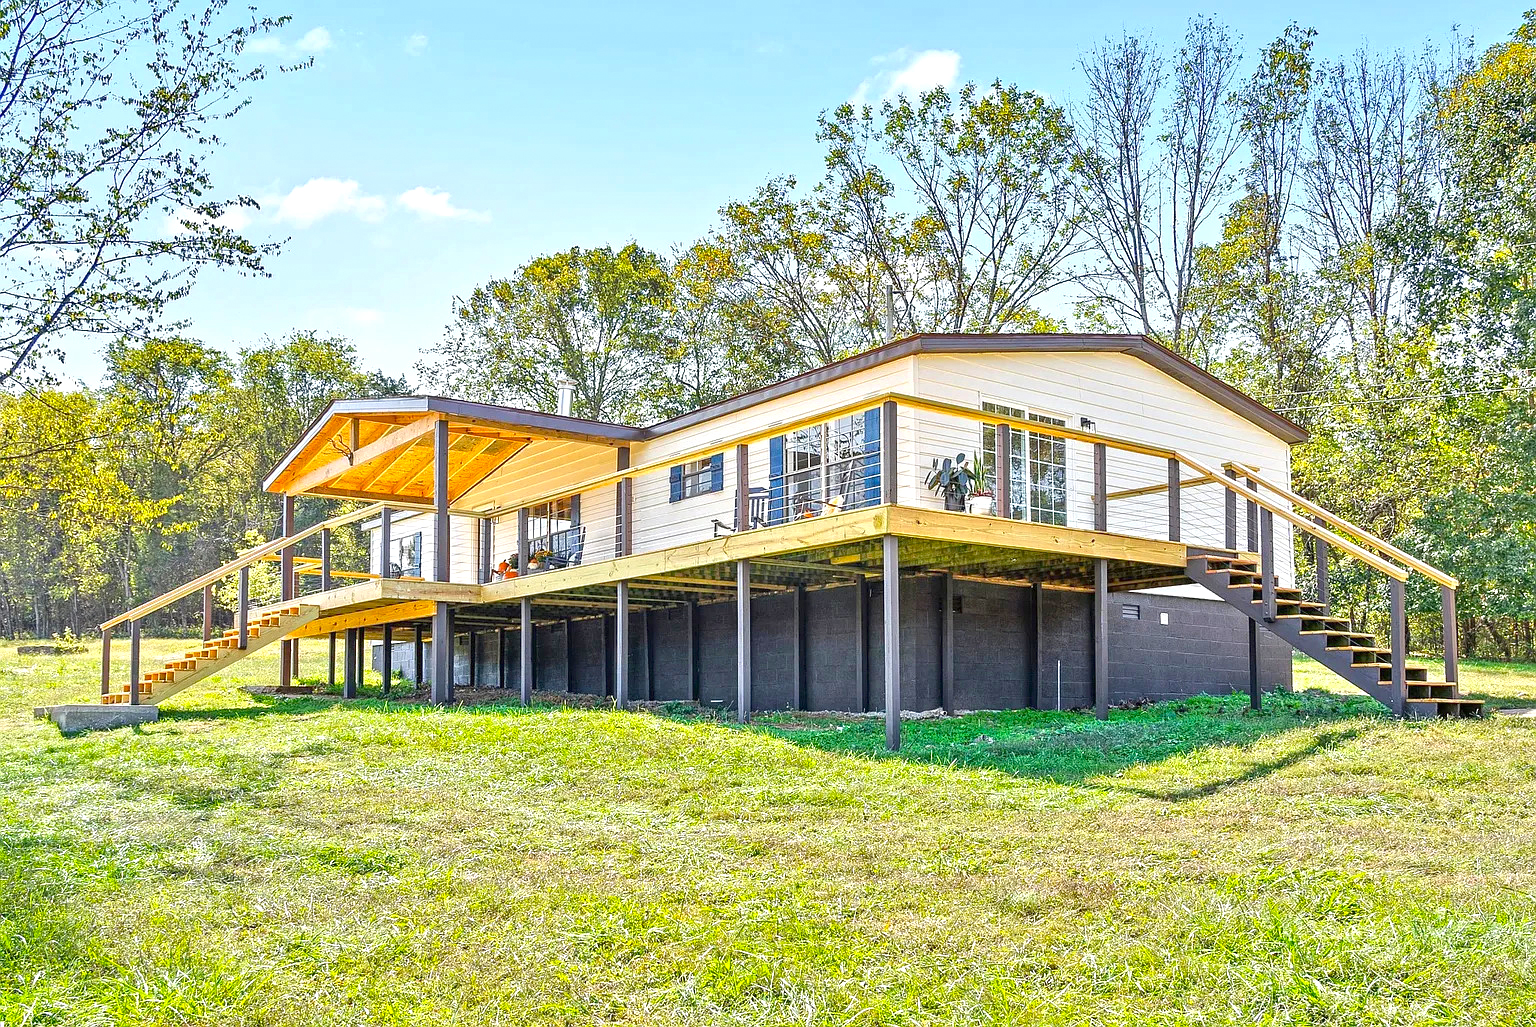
253, 861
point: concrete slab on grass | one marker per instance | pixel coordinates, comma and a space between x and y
73, 718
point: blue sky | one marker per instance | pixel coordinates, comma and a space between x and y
433, 146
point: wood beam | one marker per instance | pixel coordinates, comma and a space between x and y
387, 444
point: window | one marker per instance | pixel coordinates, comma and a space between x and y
405, 557
698, 477
825, 468
1037, 471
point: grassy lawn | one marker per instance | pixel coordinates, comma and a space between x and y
253, 861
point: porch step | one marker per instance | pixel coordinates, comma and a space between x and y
180, 671
1311, 628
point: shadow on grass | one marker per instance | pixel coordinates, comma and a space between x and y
1075, 749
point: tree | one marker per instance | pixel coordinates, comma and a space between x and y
965, 203
106, 212
592, 317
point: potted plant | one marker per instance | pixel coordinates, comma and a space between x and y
952, 479
981, 498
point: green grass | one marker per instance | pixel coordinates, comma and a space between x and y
253, 861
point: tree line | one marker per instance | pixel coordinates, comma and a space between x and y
1350, 240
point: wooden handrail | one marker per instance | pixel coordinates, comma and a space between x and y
245, 560
1388, 549
1286, 513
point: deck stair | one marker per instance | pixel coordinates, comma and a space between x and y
1311, 628
216, 654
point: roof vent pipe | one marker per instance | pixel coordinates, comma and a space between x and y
567, 392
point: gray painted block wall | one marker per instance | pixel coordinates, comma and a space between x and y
1203, 647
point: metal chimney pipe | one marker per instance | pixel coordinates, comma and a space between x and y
890, 313
567, 390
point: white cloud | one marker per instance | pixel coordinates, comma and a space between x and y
415, 44
316, 41
911, 73
321, 197
181, 219
430, 203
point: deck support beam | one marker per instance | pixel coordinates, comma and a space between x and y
501, 659
207, 613
947, 644
441, 553
1255, 689
419, 655
106, 661
285, 573
1034, 630
1175, 487
473, 639
890, 594
1399, 689
888, 447
442, 654
1101, 639
1448, 624
743, 641
1100, 487
802, 697
525, 651
349, 674
693, 650
1231, 512
387, 657
133, 663
621, 645
243, 610
330, 664
861, 640
384, 542
1267, 564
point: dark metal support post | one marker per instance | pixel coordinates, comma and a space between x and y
285, 572
501, 658
473, 637
419, 656
623, 509
1399, 690
861, 640
947, 644
890, 592
1100, 487
441, 563
888, 448
325, 559
1175, 498
743, 492
385, 542
1253, 519
693, 650
570, 680
801, 683
522, 541
387, 657
243, 609
1002, 471
1101, 639
207, 613
1448, 625
1231, 498
621, 645
442, 655
1267, 566
743, 641
349, 665
525, 642
133, 663
106, 661
1036, 670
1255, 697
330, 667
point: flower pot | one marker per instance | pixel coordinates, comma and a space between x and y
954, 499
980, 505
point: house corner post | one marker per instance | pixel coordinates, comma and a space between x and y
888, 452
890, 596
947, 643
1267, 564
1100, 487
623, 504
1230, 498
1101, 639
743, 641
522, 541
350, 661
330, 666
1255, 687
133, 663
743, 492
385, 542
1175, 499
387, 657
325, 559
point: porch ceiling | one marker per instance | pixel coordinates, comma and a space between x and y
383, 449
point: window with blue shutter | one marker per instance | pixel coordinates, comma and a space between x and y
697, 477
872, 495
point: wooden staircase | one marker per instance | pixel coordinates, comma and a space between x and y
1356, 656
266, 627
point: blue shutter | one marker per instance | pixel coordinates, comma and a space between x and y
675, 477
717, 473
778, 494
871, 495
